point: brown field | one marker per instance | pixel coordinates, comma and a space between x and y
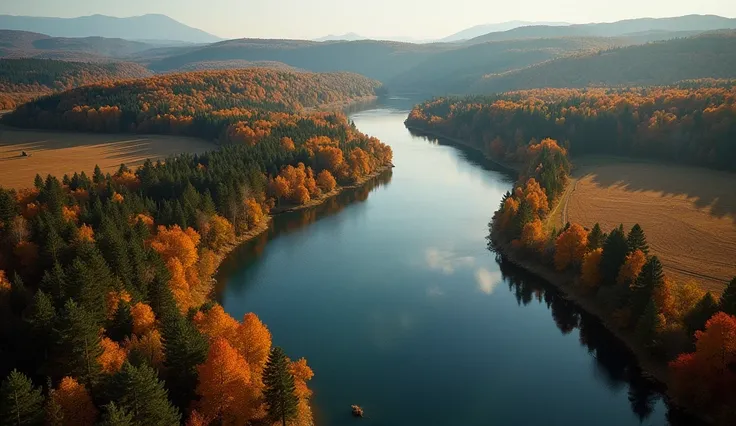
58, 153
688, 214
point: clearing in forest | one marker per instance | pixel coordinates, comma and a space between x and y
59, 153
687, 213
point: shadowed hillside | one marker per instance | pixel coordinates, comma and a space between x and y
704, 56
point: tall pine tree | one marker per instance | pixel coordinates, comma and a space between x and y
279, 392
138, 391
637, 240
20, 403
615, 249
596, 237
79, 344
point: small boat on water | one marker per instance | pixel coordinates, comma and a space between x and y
357, 410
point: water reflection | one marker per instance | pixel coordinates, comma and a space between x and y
283, 224
615, 365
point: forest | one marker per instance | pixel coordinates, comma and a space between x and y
677, 323
106, 302
692, 122
23, 79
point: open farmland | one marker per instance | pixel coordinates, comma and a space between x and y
58, 153
688, 214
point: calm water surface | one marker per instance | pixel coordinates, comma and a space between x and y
391, 295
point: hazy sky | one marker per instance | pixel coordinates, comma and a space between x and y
374, 18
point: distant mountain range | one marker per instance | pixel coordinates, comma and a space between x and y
146, 27
613, 29
356, 37
480, 30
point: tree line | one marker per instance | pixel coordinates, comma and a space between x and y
106, 315
692, 122
678, 323
24, 79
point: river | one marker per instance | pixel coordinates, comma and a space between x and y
390, 293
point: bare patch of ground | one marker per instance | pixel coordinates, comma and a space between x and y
688, 214
58, 153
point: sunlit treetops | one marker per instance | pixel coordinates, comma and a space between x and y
691, 122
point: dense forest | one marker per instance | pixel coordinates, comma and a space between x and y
23, 79
710, 55
692, 122
677, 323
105, 290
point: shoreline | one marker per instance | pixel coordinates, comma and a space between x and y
222, 254
651, 369
514, 168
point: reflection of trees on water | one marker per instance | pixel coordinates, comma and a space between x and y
248, 254
615, 364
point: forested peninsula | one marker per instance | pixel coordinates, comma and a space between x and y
106, 279
675, 328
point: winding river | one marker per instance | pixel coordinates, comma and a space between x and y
390, 293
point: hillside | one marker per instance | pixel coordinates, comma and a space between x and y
453, 71
23, 79
190, 103
146, 27
689, 23
483, 29
380, 60
23, 44
710, 55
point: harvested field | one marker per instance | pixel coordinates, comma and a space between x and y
58, 153
688, 214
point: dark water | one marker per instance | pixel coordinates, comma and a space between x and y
393, 298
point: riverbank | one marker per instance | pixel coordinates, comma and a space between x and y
513, 168
263, 226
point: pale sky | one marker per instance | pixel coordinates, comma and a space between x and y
372, 18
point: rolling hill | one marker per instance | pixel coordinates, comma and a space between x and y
24, 44
688, 23
479, 30
24, 79
710, 55
146, 27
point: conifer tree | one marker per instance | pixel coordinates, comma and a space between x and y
650, 324
138, 391
41, 316
596, 237
615, 249
650, 277
20, 403
116, 416
637, 240
279, 392
79, 343
728, 298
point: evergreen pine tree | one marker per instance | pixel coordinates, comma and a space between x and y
615, 249
121, 325
208, 204
695, 320
97, 175
184, 349
138, 391
38, 182
20, 402
279, 391
115, 416
636, 240
41, 317
728, 298
8, 208
79, 343
650, 277
596, 237
54, 282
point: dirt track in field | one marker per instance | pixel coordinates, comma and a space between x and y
59, 153
688, 214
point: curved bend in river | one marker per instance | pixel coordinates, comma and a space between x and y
391, 294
